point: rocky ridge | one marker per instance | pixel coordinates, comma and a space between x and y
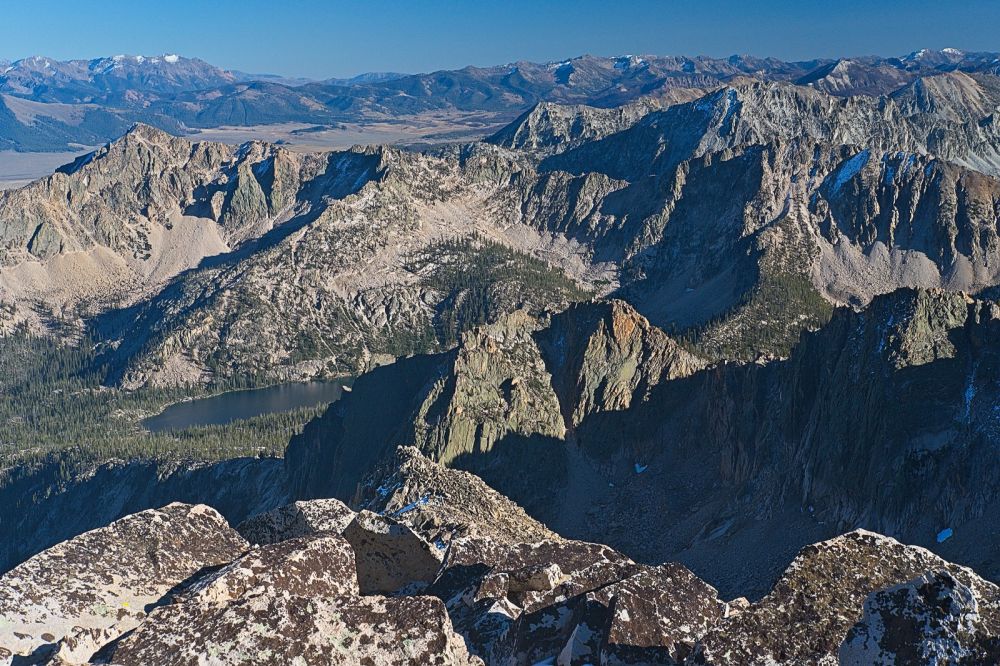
494, 597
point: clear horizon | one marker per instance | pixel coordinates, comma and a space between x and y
487, 64
321, 40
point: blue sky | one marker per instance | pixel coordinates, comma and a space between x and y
321, 39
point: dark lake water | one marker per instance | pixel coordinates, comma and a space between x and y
235, 405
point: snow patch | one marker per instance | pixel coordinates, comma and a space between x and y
970, 391
410, 507
851, 168
885, 333
627, 61
171, 58
384, 490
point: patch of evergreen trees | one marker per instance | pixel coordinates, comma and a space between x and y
52, 402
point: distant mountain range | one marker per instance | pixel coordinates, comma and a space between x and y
47, 104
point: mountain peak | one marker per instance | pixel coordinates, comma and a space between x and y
954, 96
169, 58
144, 131
139, 133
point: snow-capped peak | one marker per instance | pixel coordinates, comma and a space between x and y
171, 58
954, 52
628, 60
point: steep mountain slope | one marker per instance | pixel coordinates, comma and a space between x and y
402, 265
850, 76
957, 113
493, 401
45, 505
124, 219
555, 127
781, 178
882, 418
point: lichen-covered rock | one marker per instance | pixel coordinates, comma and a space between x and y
808, 613
268, 629
569, 631
442, 504
653, 616
297, 519
390, 556
101, 582
490, 587
81, 645
932, 619
582, 567
658, 615
321, 565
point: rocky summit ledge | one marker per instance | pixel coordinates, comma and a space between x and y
422, 577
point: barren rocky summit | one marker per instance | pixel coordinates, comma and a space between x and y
179, 586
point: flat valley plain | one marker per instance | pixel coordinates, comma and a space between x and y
18, 169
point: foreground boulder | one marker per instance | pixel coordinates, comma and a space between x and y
932, 619
489, 587
317, 565
821, 595
292, 602
655, 616
273, 629
298, 519
390, 556
98, 585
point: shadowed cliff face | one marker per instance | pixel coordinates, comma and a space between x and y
43, 507
883, 418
